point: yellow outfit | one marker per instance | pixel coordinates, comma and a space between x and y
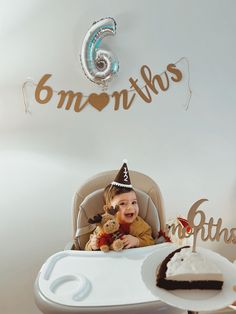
139, 229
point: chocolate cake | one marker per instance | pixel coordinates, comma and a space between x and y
183, 269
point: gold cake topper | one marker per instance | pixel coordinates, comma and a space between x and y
206, 230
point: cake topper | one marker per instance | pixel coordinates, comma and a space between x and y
207, 230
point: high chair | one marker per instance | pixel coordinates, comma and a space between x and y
78, 281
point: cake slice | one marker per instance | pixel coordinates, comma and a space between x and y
183, 269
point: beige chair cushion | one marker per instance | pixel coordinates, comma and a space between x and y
93, 204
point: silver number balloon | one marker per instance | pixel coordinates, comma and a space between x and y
99, 65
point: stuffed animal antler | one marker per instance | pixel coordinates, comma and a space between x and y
111, 210
96, 219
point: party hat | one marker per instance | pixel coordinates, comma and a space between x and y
122, 179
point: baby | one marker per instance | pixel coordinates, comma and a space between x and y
120, 192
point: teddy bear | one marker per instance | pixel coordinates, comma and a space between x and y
110, 233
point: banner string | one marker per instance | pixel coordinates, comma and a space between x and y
30, 81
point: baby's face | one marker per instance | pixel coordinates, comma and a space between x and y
128, 206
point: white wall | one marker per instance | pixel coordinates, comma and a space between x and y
45, 156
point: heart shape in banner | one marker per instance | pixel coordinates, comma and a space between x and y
99, 101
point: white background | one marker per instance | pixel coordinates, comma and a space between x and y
46, 155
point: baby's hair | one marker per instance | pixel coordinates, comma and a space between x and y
112, 190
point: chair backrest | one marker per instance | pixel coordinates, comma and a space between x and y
88, 201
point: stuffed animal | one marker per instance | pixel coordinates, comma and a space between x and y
109, 234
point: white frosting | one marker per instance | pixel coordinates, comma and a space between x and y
186, 265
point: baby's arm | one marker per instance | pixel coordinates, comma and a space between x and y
130, 241
143, 232
146, 239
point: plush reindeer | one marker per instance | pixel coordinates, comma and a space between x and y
110, 234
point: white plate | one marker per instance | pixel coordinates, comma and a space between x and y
192, 300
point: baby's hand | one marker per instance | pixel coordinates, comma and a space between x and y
130, 241
94, 242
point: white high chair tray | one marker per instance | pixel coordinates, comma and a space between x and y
82, 278
193, 300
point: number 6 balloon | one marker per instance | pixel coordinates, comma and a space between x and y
99, 65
